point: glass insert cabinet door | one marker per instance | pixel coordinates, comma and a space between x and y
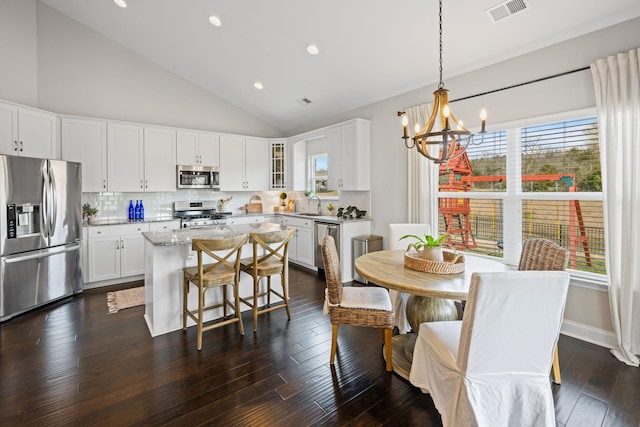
278, 179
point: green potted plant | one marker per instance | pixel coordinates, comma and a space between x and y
331, 207
431, 247
283, 197
89, 212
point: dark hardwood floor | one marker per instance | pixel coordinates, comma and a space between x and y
72, 363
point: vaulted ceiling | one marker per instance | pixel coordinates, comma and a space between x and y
369, 50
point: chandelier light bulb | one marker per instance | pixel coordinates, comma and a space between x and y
417, 128
121, 3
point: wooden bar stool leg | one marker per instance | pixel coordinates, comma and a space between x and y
256, 287
236, 295
224, 300
185, 298
285, 293
200, 316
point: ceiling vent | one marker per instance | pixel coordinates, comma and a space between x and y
506, 9
303, 101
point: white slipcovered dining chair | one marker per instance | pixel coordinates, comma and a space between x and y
399, 299
492, 368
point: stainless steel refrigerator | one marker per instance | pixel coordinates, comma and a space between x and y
40, 232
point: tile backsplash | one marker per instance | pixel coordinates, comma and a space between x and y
115, 205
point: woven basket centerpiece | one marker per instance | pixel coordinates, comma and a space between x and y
453, 263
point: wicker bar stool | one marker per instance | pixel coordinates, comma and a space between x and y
220, 273
545, 255
270, 257
355, 306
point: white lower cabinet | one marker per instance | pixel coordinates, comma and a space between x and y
301, 246
116, 251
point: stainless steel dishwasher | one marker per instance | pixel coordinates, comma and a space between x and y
320, 230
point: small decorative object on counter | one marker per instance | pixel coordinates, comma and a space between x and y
223, 204
283, 197
331, 207
136, 215
89, 212
350, 212
132, 211
141, 211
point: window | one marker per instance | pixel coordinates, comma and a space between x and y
319, 173
536, 179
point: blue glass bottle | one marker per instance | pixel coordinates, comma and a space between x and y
141, 211
132, 211
136, 216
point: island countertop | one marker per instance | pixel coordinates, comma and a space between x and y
185, 236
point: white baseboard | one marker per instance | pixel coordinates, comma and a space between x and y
101, 284
589, 334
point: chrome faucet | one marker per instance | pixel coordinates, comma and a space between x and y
319, 206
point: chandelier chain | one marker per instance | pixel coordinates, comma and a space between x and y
441, 84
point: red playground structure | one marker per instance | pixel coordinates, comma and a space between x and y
456, 212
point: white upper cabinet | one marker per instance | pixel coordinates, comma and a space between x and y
125, 148
197, 148
244, 163
350, 155
85, 141
27, 132
278, 164
141, 158
159, 159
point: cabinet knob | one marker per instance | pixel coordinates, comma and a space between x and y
146, 184
15, 145
104, 183
21, 145
122, 244
141, 184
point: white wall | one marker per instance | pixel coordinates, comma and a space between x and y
587, 309
19, 51
62, 66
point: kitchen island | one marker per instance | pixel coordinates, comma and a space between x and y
167, 253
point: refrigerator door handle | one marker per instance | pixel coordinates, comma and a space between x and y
45, 203
53, 213
10, 259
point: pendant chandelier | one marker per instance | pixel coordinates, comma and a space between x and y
452, 142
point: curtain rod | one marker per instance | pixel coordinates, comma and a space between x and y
522, 84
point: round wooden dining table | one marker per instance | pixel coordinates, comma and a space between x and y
432, 295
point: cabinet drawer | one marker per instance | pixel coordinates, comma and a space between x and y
164, 226
117, 230
297, 222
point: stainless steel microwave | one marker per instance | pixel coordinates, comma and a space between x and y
198, 177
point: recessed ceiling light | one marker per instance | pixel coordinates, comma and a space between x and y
120, 3
215, 21
258, 85
313, 49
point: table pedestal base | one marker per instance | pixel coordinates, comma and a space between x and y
419, 310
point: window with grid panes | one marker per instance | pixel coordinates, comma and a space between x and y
537, 179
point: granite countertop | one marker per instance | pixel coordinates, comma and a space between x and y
185, 236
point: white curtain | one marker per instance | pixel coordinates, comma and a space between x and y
617, 87
422, 186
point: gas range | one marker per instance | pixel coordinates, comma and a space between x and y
198, 214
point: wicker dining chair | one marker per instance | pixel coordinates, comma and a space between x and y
270, 257
355, 306
545, 255
225, 270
